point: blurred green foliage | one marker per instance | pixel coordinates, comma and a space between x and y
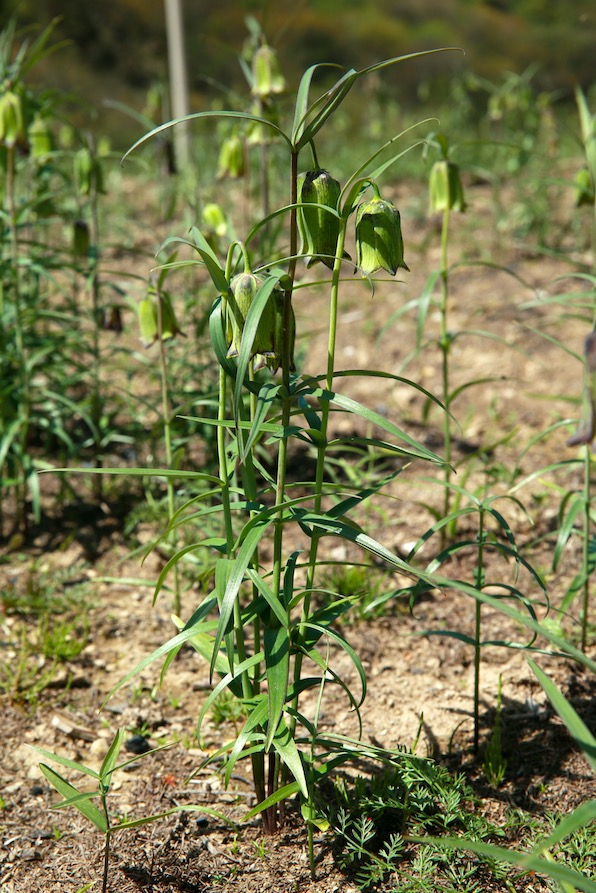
118, 49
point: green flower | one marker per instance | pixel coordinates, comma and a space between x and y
379, 242
267, 77
319, 229
445, 188
243, 289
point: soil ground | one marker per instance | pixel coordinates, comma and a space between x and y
420, 685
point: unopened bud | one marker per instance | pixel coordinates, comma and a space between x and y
12, 131
319, 229
149, 311
80, 239
40, 138
147, 316
379, 242
267, 77
243, 289
215, 225
445, 188
88, 172
231, 158
112, 319
273, 361
584, 188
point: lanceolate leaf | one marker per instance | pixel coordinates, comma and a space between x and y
414, 449
68, 791
285, 745
254, 531
276, 645
582, 735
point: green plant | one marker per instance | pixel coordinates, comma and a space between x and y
100, 816
495, 764
373, 818
264, 642
500, 541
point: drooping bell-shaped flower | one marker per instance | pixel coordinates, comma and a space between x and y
40, 138
12, 130
319, 228
274, 359
445, 188
243, 290
267, 79
379, 241
150, 308
231, 158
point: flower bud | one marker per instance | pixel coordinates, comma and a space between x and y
584, 188
88, 172
147, 316
273, 361
445, 188
40, 138
80, 239
215, 225
231, 158
586, 431
267, 77
12, 131
169, 323
243, 289
319, 229
379, 242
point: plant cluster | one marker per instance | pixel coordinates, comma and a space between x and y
267, 620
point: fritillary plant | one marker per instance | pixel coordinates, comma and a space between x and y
260, 628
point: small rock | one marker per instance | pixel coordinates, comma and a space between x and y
137, 744
30, 854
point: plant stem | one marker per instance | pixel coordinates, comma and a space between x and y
445, 344
96, 360
167, 433
478, 583
106, 849
322, 447
24, 378
586, 547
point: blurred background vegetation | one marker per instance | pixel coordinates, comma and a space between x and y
117, 48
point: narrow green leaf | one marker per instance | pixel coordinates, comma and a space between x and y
280, 794
578, 729
199, 115
67, 790
285, 745
63, 761
253, 533
276, 646
110, 760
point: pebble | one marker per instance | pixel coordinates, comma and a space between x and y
137, 744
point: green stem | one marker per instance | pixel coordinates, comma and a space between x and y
167, 431
285, 368
24, 377
322, 447
586, 548
96, 409
479, 583
445, 344
106, 853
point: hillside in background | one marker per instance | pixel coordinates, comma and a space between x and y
118, 48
